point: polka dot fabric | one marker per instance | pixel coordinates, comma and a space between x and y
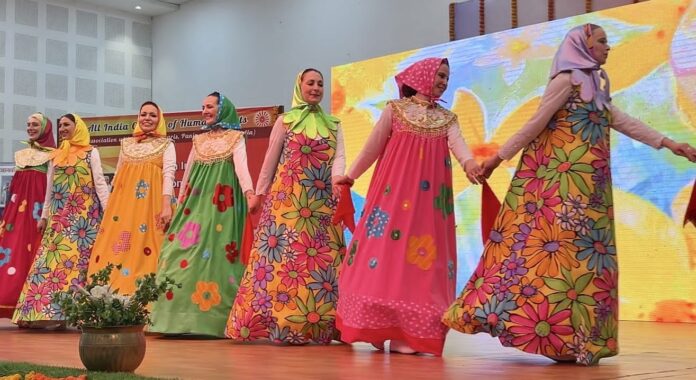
420, 76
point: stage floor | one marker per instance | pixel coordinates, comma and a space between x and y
648, 351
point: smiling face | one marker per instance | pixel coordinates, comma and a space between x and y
312, 87
33, 128
210, 109
600, 48
66, 128
441, 80
148, 118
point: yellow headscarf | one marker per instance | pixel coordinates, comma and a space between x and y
307, 118
75, 148
160, 131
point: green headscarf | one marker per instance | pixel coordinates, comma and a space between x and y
227, 117
307, 118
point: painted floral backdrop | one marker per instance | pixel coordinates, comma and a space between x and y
495, 86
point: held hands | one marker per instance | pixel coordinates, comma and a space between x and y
490, 164
342, 180
253, 202
164, 218
474, 172
41, 226
680, 149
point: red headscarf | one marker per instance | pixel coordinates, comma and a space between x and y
46, 139
420, 76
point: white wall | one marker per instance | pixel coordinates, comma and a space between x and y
251, 50
59, 56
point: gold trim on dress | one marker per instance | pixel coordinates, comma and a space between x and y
211, 147
29, 157
145, 150
421, 118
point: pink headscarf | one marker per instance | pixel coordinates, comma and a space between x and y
575, 55
420, 76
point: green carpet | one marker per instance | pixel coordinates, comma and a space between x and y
11, 368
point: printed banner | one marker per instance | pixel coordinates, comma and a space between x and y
107, 131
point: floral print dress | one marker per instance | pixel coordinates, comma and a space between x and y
290, 290
61, 262
202, 248
547, 282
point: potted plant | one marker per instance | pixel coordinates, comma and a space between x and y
112, 324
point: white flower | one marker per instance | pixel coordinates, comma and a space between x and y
123, 299
101, 292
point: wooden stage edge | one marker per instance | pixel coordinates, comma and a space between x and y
649, 350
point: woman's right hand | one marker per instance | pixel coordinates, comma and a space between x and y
41, 225
254, 203
490, 164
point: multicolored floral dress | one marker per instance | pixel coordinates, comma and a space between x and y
61, 262
202, 247
547, 282
399, 275
289, 290
19, 237
129, 235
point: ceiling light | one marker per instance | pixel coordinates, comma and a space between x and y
138, 7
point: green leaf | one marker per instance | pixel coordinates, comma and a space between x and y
297, 318
580, 183
325, 308
578, 152
557, 297
563, 305
602, 222
586, 300
582, 281
556, 284
518, 182
511, 200
314, 206
303, 198
311, 303
563, 189
291, 215
295, 202
583, 311
561, 154
567, 276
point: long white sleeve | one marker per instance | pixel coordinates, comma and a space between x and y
457, 145
118, 165
339, 162
187, 172
100, 185
49, 190
270, 161
241, 168
374, 145
635, 128
556, 95
168, 170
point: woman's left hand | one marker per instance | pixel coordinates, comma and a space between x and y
474, 172
164, 217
